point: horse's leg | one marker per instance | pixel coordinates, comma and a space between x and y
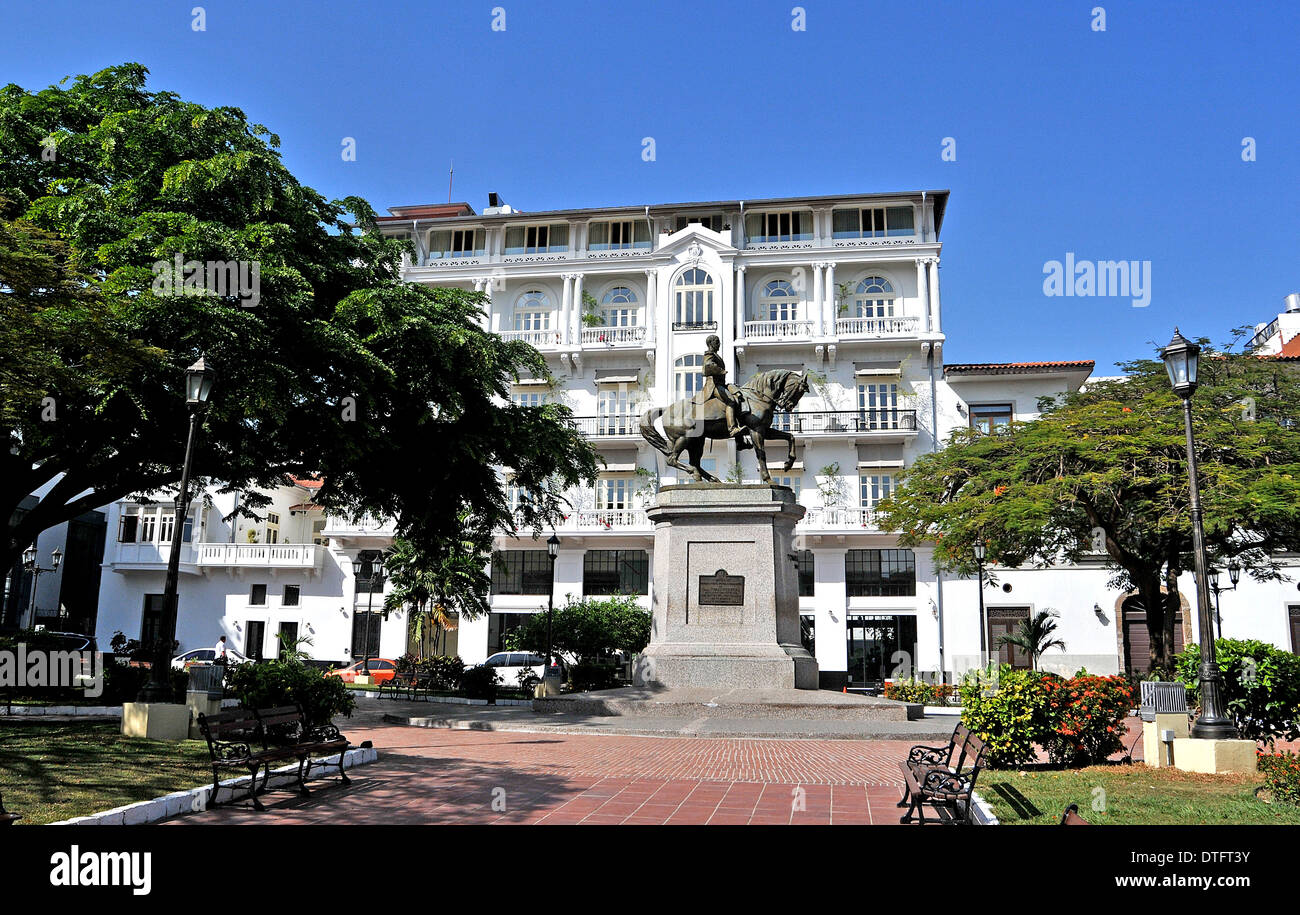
789, 440
696, 450
761, 453
674, 458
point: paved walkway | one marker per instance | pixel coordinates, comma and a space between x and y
443, 776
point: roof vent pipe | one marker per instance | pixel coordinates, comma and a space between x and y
1293, 302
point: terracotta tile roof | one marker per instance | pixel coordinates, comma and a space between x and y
1018, 368
307, 482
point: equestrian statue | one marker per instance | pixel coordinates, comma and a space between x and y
720, 411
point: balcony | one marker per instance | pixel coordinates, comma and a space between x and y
777, 330
612, 336
365, 526
897, 326
841, 519
148, 557
260, 555
689, 326
873, 423
609, 425
537, 338
608, 519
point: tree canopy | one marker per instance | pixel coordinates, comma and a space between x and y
393, 393
1104, 471
587, 630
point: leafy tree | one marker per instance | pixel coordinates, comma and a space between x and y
1105, 470
587, 630
392, 392
439, 589
1034, 636
1261, 686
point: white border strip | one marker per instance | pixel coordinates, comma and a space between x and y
447, 700
981, 814
79, 711
195, 800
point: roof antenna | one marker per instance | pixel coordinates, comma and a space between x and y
450, 172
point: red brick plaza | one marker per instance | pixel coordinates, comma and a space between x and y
437, 776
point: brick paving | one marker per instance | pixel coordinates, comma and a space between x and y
428, 776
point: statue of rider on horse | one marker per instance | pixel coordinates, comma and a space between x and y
720, 411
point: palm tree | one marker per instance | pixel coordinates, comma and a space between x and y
1034, 636
439, 587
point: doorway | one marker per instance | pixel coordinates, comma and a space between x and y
254, 639
288, 638
879, 647
1005, 621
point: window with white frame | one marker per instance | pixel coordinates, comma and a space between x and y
452, 243
688, 375
533, 311
618, 307
166, 526
778, 301
529, 398
794, 482
874, 298
878, 404
783, 225
614, 415
988, 418
714, 221
148, 525
873, 222
548, 239
618, 234
694, 299
875, 486
272, 527
614, 493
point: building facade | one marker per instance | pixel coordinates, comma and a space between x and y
619, 301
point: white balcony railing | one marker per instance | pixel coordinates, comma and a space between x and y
767, 330
608, 519
260, 555
841, 519
897, 326
537, 338
148, 554
613, 336
609, 424
365, 526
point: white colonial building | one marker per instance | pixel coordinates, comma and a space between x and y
620, 300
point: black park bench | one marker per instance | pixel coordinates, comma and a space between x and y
253, 740
932, 777
6, 818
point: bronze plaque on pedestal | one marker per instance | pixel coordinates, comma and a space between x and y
722, 590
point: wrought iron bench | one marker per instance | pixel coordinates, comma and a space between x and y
1071, 817
287, 727
931, 777
6, 818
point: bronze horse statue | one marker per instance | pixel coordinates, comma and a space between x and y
688, 424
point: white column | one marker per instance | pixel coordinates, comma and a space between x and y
651, 304
816, 306
565, 305
829, 307
922, 292
934, 295
741, 311
577, 308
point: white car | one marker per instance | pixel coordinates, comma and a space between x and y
181, 661
508, 664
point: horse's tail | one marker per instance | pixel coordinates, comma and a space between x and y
650, 433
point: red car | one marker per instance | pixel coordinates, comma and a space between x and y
381, 671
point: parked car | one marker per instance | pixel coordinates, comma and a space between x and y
72, 641
508, 664
182, 661
381, 670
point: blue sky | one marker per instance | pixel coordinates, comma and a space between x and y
1117, 145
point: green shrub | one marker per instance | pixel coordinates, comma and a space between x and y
442, 672
1085, 716
1012, 718
1261, 686
480, 682
588, 630
1281, 773
122, 683
588, 676
920, 691
267, 684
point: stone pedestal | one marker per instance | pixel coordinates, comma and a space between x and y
200, 702
156, 720
363, 680
726, 591
1155, 751
1215, 757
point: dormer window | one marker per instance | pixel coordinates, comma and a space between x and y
713, 221
450, 243
873, 222
549, 239
626, 233
784, 225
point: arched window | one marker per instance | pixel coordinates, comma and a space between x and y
533, 311
688, 376
778, 301
694, 297
618, 307
874, 298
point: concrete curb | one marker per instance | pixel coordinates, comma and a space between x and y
79, 711
981, 814
447, 700
195, 800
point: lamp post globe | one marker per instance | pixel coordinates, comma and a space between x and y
1182, 358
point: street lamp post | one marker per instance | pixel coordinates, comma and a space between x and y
198, 387
35, 570
552, 550
980, 552
1234, 573
376, 571
1180, 358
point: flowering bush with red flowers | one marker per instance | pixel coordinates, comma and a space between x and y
1281, 773
1087, 713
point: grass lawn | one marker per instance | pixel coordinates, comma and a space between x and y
1133, 795
51, 772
